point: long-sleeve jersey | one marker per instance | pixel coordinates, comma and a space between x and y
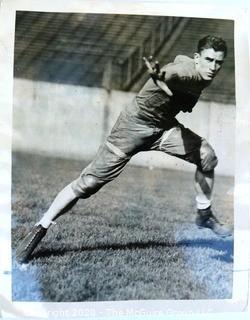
186, 84
153, 111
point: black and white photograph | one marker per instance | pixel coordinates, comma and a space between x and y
105, 229
122, 157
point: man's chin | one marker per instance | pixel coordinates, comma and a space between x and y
208, 78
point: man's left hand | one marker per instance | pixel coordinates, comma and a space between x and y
156, 74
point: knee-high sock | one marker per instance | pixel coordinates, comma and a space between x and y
204, 182
62, 203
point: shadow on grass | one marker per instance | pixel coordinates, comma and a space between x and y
224, 246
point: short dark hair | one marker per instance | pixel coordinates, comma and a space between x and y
217, 43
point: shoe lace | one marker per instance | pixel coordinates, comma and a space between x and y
213, 218
32, 239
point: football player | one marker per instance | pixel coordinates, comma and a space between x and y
149, 123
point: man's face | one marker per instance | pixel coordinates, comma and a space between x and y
208, 62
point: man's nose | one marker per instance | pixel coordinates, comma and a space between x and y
213, 66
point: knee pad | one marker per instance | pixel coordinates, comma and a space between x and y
208, 159
86, 185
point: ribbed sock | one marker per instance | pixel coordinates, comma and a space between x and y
202, 202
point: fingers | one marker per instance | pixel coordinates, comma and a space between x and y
156, 74
148, 65
153, 67
157, 67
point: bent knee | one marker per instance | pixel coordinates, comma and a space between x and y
208, 158
86, 185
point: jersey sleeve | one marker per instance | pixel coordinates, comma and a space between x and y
180, 70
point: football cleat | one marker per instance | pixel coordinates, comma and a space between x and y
206, 219
29, 243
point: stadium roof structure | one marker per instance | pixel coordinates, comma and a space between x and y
106, 50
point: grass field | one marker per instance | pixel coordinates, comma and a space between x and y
134, 239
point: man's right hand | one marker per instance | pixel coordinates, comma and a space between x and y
157, 75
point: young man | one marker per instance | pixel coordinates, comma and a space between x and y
149, 123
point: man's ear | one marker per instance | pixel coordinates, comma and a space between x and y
196, 57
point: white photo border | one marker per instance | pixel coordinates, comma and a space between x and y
239, 299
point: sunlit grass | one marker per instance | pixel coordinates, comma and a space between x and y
134, 239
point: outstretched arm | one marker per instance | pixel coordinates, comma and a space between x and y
157, 75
